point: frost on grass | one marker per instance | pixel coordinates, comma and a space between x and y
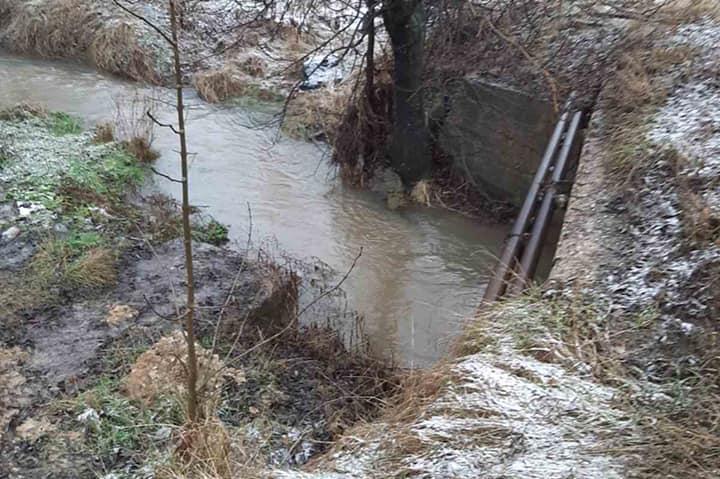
507, 416
37, 159
662, 264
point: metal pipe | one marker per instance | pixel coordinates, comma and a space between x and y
496, 286
531, 253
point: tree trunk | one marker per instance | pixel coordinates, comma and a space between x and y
369, 143
192, 365
409, 151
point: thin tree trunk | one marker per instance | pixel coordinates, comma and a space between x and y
369, 144
192, 367
370, 55
409, 151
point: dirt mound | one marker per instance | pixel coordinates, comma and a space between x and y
160, 371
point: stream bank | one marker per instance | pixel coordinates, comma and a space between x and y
610, 370
92, 277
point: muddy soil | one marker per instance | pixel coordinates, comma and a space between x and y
63, 347
66, 343
293, 397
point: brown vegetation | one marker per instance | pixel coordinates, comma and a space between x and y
96, 269
141, 148
227, 82
104, 133
76, 29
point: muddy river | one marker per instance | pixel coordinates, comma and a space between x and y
422, 270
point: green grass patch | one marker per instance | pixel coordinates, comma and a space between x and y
111, 175
62, 124
82, 260
212, 232
80, 241
124, 427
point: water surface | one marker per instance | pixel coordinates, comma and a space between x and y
422, 270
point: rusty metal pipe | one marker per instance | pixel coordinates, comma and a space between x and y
496, 286
531, 253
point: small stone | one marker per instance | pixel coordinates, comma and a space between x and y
7, 211
11, 233
119, 314
60, 228
89, 417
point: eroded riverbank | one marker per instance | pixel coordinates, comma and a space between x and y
92, 278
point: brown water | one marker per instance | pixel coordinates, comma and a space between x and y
422, 270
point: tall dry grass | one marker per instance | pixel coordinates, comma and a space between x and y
82, 29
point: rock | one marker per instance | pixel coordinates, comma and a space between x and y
390, 182
89, 417
11, 233
396, 200
163, 434
421, 192
7, 212
27, 209
120, 313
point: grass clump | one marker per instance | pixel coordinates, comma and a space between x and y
642, 81
80, 241
122, 428
95, 269
212, 232
80, 261
23, 111
229, 82
141, 149
104, 133
62, 124
108, 178
674, 417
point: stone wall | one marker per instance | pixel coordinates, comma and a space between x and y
495, 136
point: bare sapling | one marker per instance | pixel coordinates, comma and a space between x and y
192, 365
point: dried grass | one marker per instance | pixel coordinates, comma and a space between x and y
219, 85
76, 29
160, 372
361, 136
635, 90
141, 148
23, 110
685, 11
14, 390
204, 451
675, 418
96, 269
230, 81
115, 48
316, 113
700, 222
104, 133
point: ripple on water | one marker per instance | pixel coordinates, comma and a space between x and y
422, 270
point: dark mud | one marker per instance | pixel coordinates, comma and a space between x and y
66, 345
